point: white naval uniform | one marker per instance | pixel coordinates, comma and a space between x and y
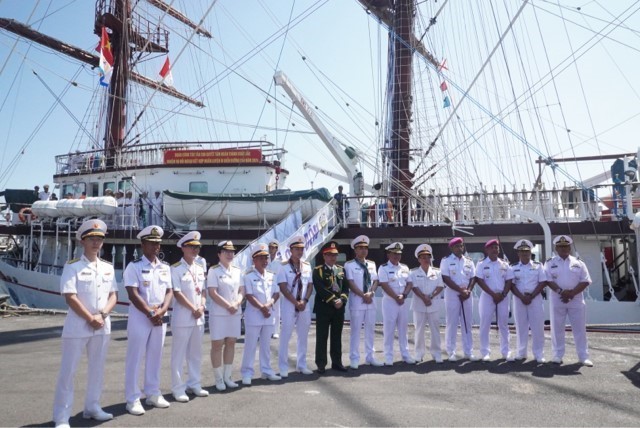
526, 279
427, 282
567, 274
257, 327
393, 314
227, 283
291, 319
186, 330
156, 210
92, 284
143, 338
274, 266
361, 313
495, 274
460, 271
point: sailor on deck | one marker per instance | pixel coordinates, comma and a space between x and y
89, 287
568, 277
148, 284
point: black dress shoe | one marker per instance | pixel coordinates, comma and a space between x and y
321, 370
339, 367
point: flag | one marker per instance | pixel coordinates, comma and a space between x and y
447, 102
443, 66
106, 58
443, 86
165, 73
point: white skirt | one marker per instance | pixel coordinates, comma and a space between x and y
221, 327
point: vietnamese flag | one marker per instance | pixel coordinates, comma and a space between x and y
106, 58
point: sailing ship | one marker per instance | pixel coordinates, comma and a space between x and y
471, 101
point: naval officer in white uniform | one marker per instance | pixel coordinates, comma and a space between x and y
568, 277
89, 287
275, 261
426, 282
393, 277
295, 284
458, 274
362, 276
148, 284
187, 319
494, 276
529, 279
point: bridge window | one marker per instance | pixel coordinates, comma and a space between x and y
199, 187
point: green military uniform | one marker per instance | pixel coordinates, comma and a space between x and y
330, 285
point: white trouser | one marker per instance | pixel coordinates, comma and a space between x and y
362, 318
276, 315
488, 310
143, 339
252, 335
527, 317
578, 319
394, 316
96, 347
156, 217
186, 344
455, 316
301, 321
420, 319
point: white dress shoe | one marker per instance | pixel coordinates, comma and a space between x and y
62, 425
275, 336
388, 362
246, 380
271, 377
587, 363
521, 357
157, 401
354, 365
540, 360
556, 360
409, 360
135, 408
438, 359
306, 371
375, 363
453, 358
284, 374
471, 357
181, 398
220, 385
509, 357
486, 358
98, 415
198, 392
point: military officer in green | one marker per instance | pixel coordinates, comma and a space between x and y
332, 292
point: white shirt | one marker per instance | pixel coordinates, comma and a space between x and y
263, 288
151, 279
394, 275
460, 270
526, 277
494, 273
92, 283
353, 271
567, 273
44, 196
427, 282
189, 280
286, 274
227, 283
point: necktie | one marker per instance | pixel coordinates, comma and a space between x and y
297, 281
366, 276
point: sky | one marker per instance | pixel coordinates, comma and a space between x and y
336, 55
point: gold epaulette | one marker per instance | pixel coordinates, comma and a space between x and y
73, 261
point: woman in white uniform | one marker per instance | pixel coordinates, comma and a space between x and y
224, 283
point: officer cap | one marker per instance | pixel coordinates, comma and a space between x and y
562, 241
456, 241
91, 228
226, 245
297, 242
151, 233
259, 249
274, 243
330, 247
491, 242
360, 241
423, 249
394, 247
523, 245
190, 239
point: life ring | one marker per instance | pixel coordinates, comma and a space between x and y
24, 212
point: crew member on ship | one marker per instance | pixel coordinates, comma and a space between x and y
568, 277
89, 287
44, 195
427, 285
529, 279
148, 284
155, 208
187, 319
295, 284
362, 276
262, 293
393, 277
274, 266
332, 293
458, 274
494, 276
226, 289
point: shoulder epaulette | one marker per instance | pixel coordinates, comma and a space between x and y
73, 261
106, 261
284, 262
248, 271
318, 267
535, 262
233, 266
214, 266
350, 261
385, 263
137, 260
549, 258
305, 263
176, 264
415, 268
515, 264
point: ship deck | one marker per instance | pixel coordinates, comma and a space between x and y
464, 393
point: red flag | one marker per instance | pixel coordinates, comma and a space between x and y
165, 73
443, 86
106, 58
443, 66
